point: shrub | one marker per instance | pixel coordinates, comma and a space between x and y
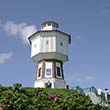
18, 98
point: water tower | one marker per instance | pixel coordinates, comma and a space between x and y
49, 48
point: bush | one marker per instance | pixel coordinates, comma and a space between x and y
18, 98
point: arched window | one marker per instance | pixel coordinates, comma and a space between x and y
39, 72
58, 72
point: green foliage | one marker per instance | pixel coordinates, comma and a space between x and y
18, 98
17, 86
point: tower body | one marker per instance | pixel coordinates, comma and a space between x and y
49, 49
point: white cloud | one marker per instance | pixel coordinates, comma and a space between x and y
4, 57
21, 29
26, 31
78, 79
11, 28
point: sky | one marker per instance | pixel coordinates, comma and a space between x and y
88, 23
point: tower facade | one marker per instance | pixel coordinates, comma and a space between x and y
49, 48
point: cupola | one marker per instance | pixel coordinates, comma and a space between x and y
49, 25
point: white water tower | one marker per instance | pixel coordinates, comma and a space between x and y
49, 49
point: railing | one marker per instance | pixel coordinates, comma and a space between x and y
83, 90
93, 90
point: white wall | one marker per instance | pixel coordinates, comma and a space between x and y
49, 28
62, 48
59, 84
55, 83
43, 44
50, 46
35, 47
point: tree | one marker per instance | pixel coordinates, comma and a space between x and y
17, 86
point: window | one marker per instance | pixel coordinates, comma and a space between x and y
58, 71
39, 72
48, 71
49, 24
54, 25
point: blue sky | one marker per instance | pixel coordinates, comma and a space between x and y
87, 21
